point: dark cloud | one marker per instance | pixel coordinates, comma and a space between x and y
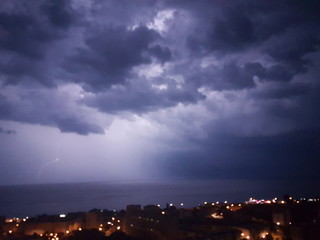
112, 52
76, 125
279, 73
294, 44
27, 32
229, 76
7, 131
49, 109
231, 32
161, 53
283, 91
237, 25
23, 34
260, 48
286, 156
59, 13
232, 76
17, 69
140, 97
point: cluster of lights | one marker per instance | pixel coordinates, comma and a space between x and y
275, 200
16, 220
217, 215
314, 200
114, 220
234, 207
100, 228
215, 203
243, 235
54, 236
262, 201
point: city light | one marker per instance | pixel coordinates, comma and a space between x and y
263, 235
217, 216
149, 219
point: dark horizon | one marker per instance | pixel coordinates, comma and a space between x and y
31, 200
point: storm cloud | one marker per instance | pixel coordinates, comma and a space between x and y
193, 78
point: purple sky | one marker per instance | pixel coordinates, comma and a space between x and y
96, 90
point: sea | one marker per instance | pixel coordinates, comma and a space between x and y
33, 200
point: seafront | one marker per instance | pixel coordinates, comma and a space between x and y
285, 218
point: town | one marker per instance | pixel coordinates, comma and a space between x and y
276, 219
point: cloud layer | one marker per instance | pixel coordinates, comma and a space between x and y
214, 74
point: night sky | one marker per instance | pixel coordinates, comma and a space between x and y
109, 90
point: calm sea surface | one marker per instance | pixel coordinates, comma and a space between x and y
31, 200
